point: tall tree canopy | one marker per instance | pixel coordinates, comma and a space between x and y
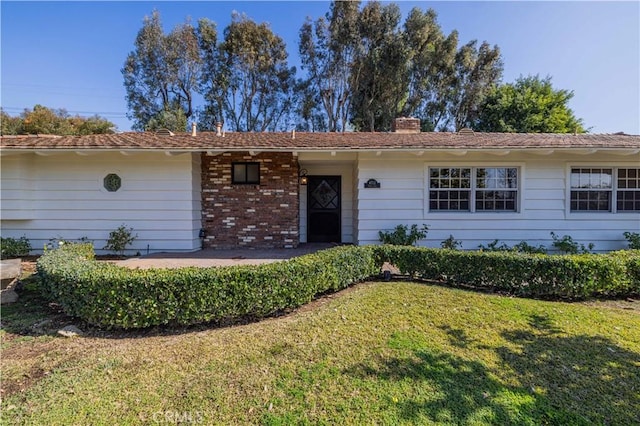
327, 49
530, 105
248, 78
363, 65
43, 120
363, 68
379, 74
244, 78
161, 73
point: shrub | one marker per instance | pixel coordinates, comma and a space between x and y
119, 239
536, 275
116, 297
524, 247
567, 245
521, 247
14, 247
59, 241
634, 240
402, 235
451, 243
493, 246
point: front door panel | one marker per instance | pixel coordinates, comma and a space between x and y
324, 209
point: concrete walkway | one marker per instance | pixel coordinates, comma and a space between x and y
213, 257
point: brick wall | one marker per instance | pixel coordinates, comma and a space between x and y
257, 216
406, 125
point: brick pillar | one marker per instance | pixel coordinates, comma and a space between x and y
252, 216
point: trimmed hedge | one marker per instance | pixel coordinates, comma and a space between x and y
112, 296
532, 275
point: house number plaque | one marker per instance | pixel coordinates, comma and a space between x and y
372, 183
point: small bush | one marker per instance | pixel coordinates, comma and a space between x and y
493, 246
634, 240
536, 275
524, 247
521, 247
14, 247
116, 297
119, 239
567, 245
451, 243
402, 235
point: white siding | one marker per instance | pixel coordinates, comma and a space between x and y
16, 187
159, 198
403, 199
345, 170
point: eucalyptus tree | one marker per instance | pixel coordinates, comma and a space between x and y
327, 48
477, 72
379, 75
248, 80
162, 72
431, 64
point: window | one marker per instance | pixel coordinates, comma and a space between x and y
245, 173
477, 189
497, 189
628, 194
450, 189
596, 190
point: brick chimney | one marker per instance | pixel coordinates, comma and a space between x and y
406, 125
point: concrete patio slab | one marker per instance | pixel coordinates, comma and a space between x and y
214, 257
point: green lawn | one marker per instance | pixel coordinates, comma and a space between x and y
378, 353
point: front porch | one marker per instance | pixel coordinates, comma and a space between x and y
214, 257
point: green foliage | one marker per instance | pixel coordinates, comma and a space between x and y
365, 63
530, 105
451, 243
326, 48
9, 125
161, 75
534, 275
58, 242
362, 70
493, 246
14, 247
521, 247
524, 247
111, 296
254, 85
171, 119
634, 240
566, 244
43, 120
403, 235
119, 239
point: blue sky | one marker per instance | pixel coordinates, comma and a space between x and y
69, 54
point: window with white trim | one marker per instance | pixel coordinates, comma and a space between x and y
628, 193
473, 189
605, 189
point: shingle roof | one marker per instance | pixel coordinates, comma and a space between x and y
305, 141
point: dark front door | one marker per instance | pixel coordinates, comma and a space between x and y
323, 204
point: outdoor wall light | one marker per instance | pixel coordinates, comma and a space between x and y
303, 177
202, 233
